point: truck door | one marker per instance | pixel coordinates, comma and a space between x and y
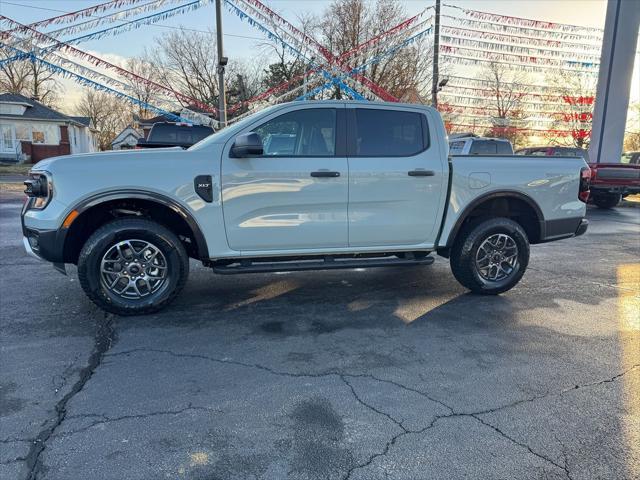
397, 176
295, 195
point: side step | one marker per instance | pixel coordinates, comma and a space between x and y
329, 263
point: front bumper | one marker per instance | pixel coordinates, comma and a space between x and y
47, 245
582, 228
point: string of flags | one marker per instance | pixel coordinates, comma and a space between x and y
468, 38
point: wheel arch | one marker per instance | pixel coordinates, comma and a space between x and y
166, 210
509, 203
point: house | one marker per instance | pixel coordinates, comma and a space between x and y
126, 139
31, 131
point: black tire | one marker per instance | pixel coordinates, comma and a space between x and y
606, 200
173, 255
465, 249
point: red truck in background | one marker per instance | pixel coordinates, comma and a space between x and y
610, 182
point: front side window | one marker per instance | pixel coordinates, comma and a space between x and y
389, 133
303, 133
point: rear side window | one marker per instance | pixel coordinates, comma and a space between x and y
455, 148
483, 147
504, 148
389, 133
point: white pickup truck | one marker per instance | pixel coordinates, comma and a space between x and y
298, 186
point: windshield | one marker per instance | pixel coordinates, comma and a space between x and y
231, 129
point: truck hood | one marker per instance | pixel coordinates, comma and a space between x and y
78, 160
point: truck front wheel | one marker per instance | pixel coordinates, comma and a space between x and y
132, 266
490, 257
606, 200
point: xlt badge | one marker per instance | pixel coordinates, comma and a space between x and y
203, 185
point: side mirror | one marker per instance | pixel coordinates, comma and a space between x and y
247, 145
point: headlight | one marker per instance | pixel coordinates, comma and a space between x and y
39, 189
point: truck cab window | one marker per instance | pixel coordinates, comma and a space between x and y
483, 147
303, 133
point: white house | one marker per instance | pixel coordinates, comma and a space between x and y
31, 131
126, 139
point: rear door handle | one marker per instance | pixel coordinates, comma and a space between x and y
421, 173
325, 173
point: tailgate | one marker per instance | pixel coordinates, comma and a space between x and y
616, 172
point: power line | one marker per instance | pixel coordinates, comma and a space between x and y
152, 25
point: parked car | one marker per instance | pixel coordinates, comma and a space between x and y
366, 185
470, 144
631, 158
168, 134
610, 182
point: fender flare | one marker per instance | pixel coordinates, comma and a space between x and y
490, 196
94, 200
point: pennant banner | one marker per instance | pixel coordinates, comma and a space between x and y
483, 101
86, 12
117, 16
98, 62
498, 28
500, 56
580, 48
137, 23
521, 51
540, 25
97, 86
372, 61
274, 37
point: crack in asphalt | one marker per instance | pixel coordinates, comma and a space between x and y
104, 338
105, 419
404, 431
371, 407
523, 445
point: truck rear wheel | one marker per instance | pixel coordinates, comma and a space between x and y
606, 200
132, 266
490, 257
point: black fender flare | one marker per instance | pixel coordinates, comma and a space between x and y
490, 196
94, 200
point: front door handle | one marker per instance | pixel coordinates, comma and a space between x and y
325, 173
421, 173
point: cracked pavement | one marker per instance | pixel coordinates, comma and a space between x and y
360, 374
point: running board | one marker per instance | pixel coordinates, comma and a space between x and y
329, 263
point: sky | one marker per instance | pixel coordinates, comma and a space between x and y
241, 39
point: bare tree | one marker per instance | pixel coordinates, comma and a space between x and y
108, 113
346, 24
143, 91
14, 75
575, 93
632, 131
187, 63
505, 103
29, 78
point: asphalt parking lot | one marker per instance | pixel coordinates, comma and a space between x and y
376, 374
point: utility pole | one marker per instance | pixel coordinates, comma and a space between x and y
436, 54
222, 62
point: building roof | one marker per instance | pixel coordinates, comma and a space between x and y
36, 110
86, 121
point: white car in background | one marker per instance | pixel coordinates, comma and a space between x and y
470, 144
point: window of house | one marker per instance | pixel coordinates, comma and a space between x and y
23, 131
303, 133
45, 133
